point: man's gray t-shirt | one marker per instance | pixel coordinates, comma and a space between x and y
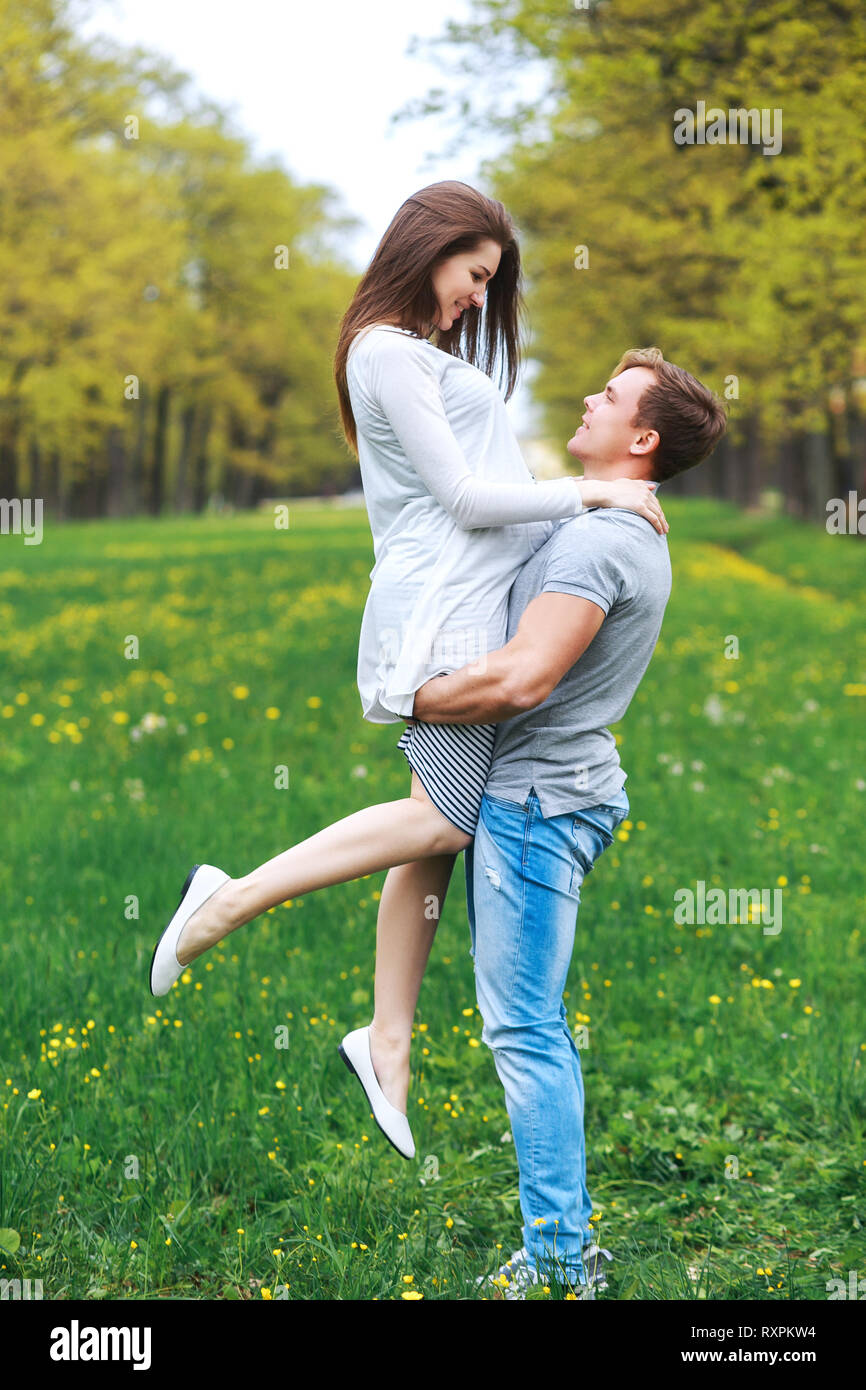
563, 748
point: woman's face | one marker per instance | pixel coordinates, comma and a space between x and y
460, 282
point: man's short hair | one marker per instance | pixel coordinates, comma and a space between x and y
690, 419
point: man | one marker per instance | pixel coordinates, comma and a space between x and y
584, 617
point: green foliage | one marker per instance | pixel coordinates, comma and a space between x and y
139, 240
734, 262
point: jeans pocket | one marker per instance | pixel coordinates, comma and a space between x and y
505, 805
593, 832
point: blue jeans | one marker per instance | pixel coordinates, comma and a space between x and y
523, 878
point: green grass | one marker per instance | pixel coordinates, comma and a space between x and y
137, 1141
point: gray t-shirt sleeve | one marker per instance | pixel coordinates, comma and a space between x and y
594, 562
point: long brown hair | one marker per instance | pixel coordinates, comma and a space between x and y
443, 220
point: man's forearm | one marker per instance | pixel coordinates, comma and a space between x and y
482, 693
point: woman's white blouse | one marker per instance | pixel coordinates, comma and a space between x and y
448, 496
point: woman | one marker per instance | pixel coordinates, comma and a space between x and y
454, 514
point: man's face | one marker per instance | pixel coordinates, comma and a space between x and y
606, 443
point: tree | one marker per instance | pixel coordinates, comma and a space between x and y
744, 267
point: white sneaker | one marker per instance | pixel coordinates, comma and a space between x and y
595, 1271
355, 1052
513, 1278
201, 884
517, 1275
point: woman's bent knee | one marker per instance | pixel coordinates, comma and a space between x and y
445, 836
448, 837
459, 839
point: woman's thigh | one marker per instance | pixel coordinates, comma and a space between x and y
452, 837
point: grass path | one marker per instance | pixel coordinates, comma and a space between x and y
154, 675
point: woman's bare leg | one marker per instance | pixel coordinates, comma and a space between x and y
378, 837
409, 911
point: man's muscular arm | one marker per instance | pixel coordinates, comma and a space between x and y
553, 634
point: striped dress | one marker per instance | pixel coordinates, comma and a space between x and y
453, 762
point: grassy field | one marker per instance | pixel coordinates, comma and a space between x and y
153, 676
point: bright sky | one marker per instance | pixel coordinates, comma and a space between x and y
317, 84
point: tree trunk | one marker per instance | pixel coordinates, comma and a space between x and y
137, 479
752, 465
156, 496
840, 452
95, 489
55, 486
235, 482
199, 463
794, 476
187, 442
857, 436
35, 481
9, 472
115, 501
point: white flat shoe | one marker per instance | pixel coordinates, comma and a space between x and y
355, 1052
201, 884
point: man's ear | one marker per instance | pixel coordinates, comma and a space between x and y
646, 443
